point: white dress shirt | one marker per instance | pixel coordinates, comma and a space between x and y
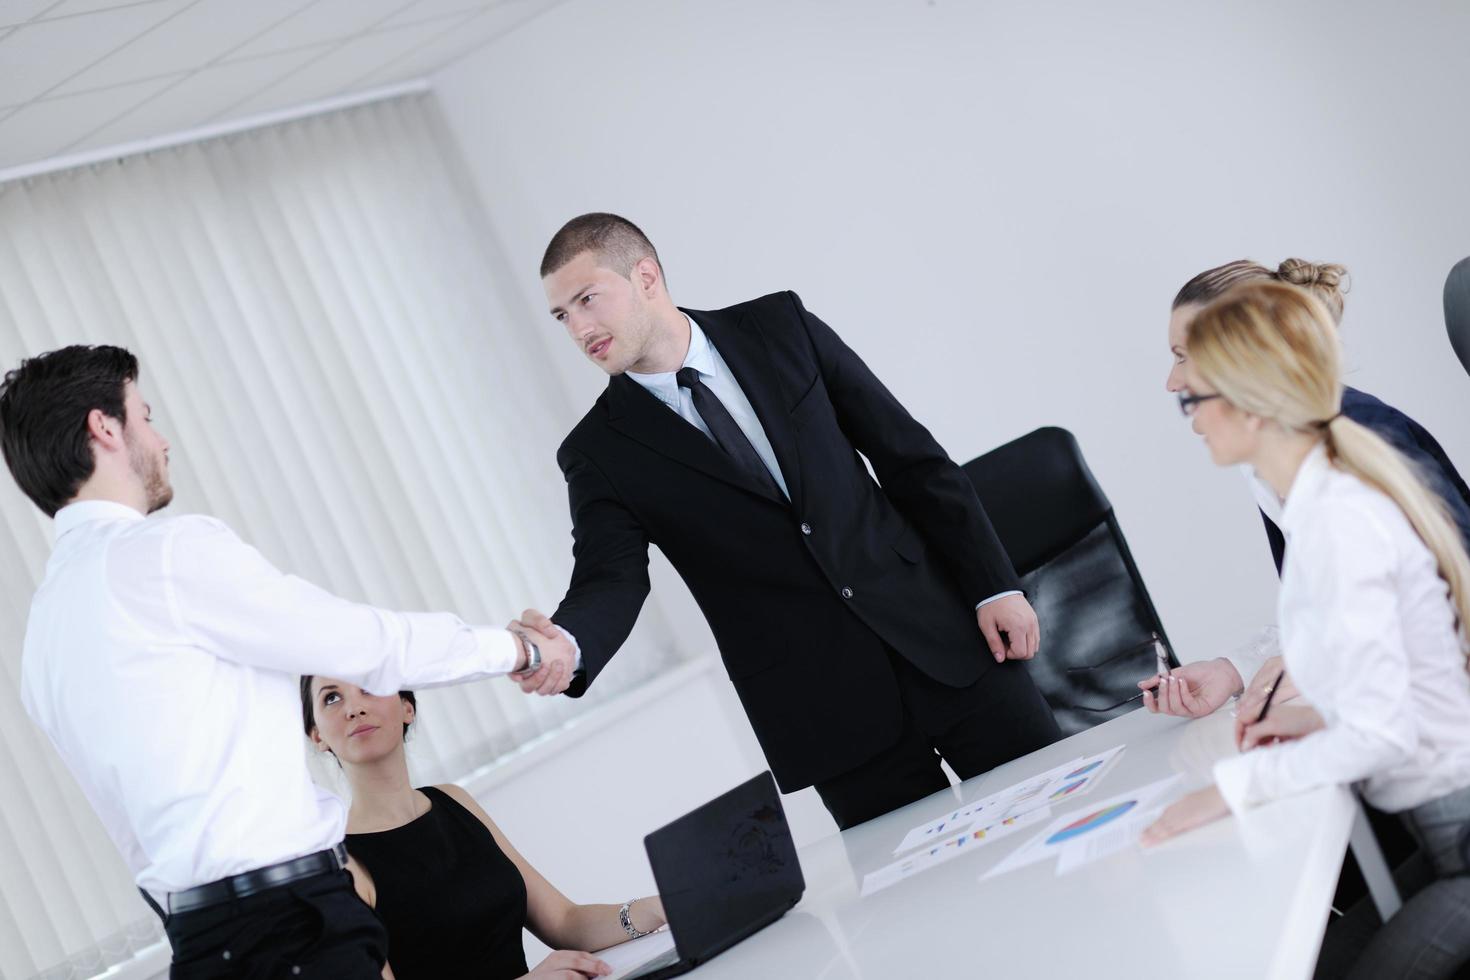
1369, 636
1251, 656
719, 379
161, 658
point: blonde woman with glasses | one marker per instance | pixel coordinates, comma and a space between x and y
1372, 607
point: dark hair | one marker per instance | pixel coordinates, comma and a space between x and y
308, 710
44, 405
618, 243
1324, 280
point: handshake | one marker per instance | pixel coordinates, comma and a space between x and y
558, 654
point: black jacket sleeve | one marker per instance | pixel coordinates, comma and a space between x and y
610, 571
916, 474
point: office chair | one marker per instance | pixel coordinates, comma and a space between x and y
1457, 310
1097, 621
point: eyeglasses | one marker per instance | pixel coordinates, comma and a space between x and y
1188, 402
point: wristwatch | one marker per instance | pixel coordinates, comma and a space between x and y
533, 655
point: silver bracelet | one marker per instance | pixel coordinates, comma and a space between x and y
627, 920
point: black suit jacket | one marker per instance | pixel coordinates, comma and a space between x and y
1420, 448
801, 595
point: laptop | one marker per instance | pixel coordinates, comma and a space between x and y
724, 872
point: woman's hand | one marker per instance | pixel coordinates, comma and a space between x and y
1281, 725
567, 964
1254, 696
1191, 691
1195, 810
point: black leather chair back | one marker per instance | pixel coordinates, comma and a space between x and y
1457, 310
1097, 621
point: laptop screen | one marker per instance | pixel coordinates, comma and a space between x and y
727, 868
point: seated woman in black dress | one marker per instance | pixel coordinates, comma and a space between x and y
452, 891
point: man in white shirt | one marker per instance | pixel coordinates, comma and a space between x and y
161, 659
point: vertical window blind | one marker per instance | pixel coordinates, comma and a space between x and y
325, 334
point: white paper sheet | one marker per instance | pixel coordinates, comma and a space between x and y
1085, 776
1013, 801
947, 850
624, 958
1115, 822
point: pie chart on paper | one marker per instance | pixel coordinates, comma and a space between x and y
1068, 790
1084, 770
1091, 822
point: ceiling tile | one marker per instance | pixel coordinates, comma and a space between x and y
208, 30
49, 128
427, 9
71, 8
325, 20
41, 54
481, 29
20, 11
200, 99
338, 71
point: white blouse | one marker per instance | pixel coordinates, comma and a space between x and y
1369, 635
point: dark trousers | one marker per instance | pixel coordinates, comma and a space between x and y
313, 928
1000, 717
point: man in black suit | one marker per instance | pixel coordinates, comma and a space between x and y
853, 617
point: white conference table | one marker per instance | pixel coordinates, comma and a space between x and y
1244, 897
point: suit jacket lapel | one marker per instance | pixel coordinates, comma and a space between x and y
743, 349
637, 414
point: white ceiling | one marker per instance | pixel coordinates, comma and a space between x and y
76, 75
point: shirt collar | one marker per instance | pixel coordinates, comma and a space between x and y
85, 511
665, 385
1305, 485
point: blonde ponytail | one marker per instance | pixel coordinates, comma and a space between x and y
1271, 349
1358, 450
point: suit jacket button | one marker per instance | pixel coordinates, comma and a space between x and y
846, 592
806, 529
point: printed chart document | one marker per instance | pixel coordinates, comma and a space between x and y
624, 957
1073, 778
1086, 774
1084, 835
948, 849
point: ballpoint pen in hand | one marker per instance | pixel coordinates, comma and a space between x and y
1270, 693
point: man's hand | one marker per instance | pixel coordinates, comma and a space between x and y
1254, 697
1192, 691
1013, 617
1281, 725
558, 656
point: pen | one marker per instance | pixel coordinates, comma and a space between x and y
1270, 693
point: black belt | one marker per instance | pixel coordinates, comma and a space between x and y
259, 880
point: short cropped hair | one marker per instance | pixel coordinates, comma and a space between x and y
617, 243
44, 405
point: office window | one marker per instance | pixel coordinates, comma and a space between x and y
349, 375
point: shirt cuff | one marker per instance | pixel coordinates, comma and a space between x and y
998, 595
1233, 778
1251, 656
576, 649
499, 650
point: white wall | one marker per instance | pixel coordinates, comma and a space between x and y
995, 203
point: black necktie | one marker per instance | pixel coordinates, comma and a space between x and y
727, 434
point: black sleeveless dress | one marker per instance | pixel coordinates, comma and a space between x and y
452, 902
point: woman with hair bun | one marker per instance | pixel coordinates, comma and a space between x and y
1210, 683
1372, 610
